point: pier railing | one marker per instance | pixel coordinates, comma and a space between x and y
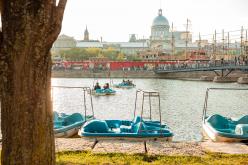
200, 67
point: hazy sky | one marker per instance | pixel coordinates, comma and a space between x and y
114, 20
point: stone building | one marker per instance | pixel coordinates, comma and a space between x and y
64, 42
160, 32
161, 39
86, 35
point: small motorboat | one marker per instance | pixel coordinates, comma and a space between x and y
222, 129
138, 128
124, 85
67, 125
103, 92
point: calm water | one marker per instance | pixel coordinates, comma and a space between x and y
181, 102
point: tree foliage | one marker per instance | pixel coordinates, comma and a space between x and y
81, 54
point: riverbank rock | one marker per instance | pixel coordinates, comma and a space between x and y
243, 80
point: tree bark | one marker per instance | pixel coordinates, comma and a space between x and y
29, 28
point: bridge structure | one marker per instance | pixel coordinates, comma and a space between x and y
215, 68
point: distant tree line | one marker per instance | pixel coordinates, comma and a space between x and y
81, 54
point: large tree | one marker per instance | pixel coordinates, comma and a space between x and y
29, 28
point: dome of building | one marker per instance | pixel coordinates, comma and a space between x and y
160, 20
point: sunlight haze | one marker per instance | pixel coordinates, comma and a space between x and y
115, 20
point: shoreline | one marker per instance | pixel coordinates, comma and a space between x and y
153, 147
189, 76
174, 148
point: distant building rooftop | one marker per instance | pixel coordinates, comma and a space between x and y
160, 20
81, 44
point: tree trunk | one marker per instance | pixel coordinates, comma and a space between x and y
29, 28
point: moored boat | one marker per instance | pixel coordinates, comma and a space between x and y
125, 129
68, 125
138, 129
222, 129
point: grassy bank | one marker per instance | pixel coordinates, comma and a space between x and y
73, 158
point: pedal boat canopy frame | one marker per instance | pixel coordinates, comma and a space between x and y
137, 128
85, 90
224, 129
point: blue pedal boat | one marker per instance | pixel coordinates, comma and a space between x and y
138, 129
125, 129
103, 92
124, 85
66, 125
222, 129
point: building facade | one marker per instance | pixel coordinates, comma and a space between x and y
160, 32
161, 39
64, 42
86, 35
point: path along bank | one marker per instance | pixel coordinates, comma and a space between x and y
153, 147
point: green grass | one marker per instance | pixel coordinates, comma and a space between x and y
73, 158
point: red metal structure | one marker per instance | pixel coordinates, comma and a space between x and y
122, 65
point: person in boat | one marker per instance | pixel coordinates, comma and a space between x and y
106, 86
124, 82
97, 86
129, 82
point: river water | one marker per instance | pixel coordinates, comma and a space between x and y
181, 102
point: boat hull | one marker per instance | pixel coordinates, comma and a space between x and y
167, 139
68, 125
69, 133
102, 94
125, 129
217, 137
93, 92
124, 86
